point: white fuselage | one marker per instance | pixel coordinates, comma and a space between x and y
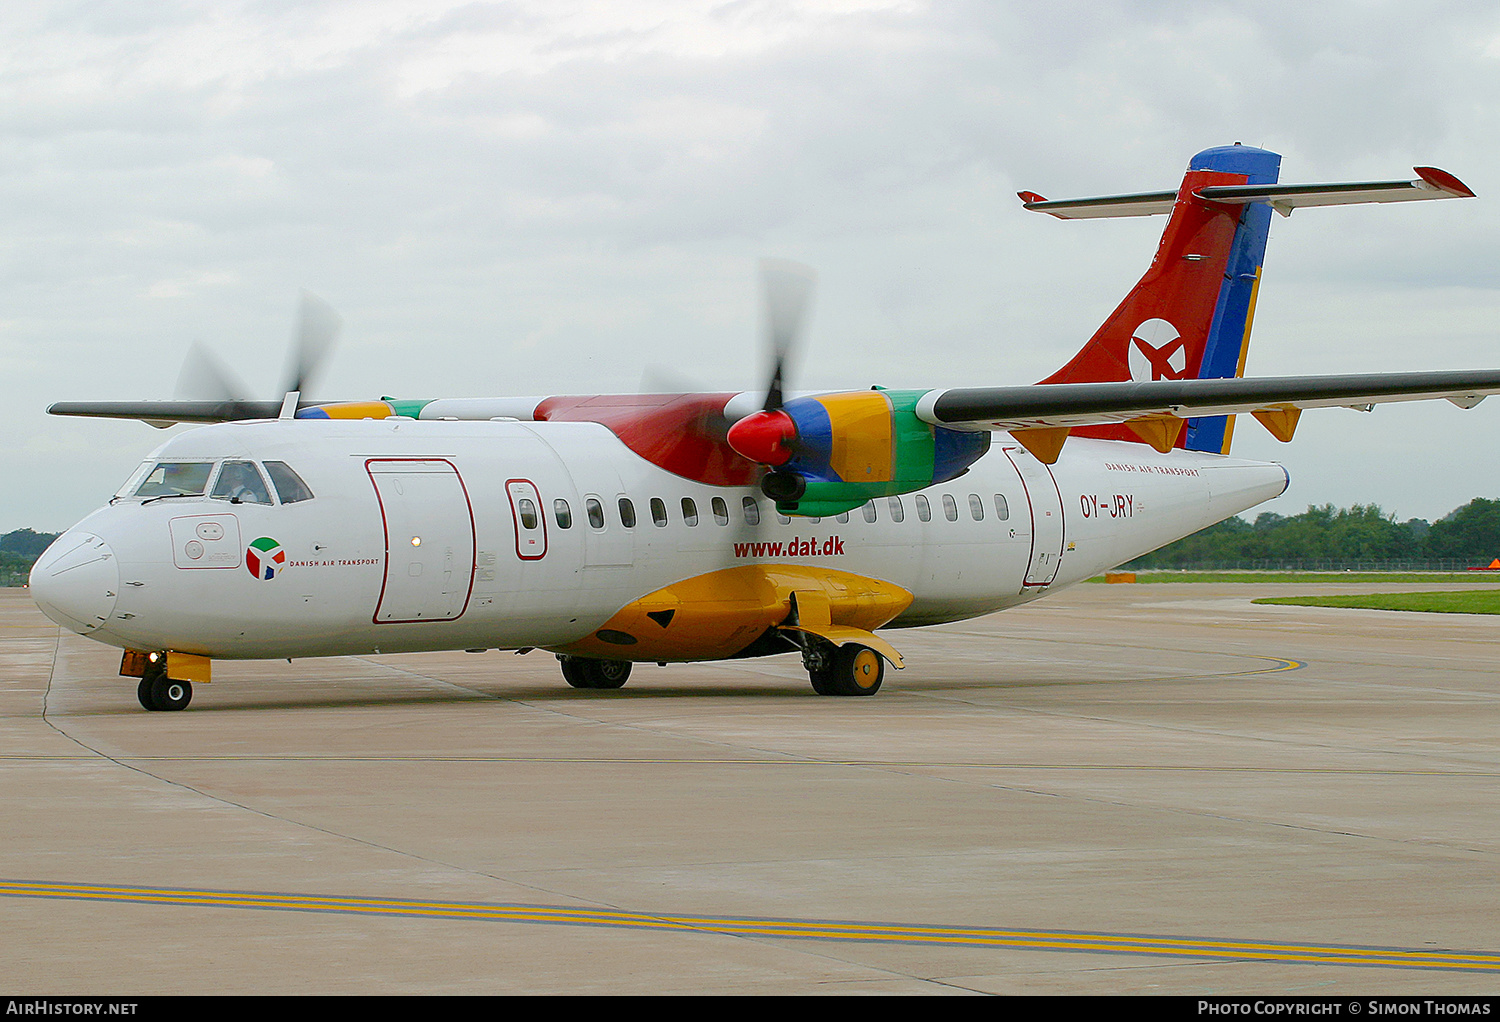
428, 535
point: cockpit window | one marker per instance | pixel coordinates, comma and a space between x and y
175, 479
289, 485
240, 483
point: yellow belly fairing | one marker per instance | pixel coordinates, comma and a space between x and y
714, 616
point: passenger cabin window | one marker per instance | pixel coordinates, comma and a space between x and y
595, 512
176, 479
976, 507
950, 507
1002, 509
528, 513
658, 513
924, 509
240, 483
752, 511
869, 511
721, 511
689, 511
563, 513
842, 517
627, 513
289, 485
898, 513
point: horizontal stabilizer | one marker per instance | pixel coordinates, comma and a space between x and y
1431, 183
1135, 204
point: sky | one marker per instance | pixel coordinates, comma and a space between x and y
569, 196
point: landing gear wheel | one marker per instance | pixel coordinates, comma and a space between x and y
586, 672
821, 662
159, 692
822, 681
848, 671
860, 671
170, 694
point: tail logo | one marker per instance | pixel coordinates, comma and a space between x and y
1157, 352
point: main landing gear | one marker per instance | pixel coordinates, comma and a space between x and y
159, 692
586, 672
848, 670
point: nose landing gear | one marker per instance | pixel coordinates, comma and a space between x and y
157, 691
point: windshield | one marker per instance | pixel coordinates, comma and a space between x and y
239, 483
175, 479
288, 483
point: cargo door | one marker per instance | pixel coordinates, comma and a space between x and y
1045, 503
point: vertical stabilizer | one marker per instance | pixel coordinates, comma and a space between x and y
1189, 317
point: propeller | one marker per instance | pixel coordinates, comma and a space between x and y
204, 377
766, 436
786, 295
317, 328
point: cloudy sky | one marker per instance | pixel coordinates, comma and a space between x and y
563, 195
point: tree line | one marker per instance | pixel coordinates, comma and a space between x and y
1361, 533
19, 551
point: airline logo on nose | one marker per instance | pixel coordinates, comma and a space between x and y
1157, 352
264, 558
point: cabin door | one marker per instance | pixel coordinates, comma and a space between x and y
429, 539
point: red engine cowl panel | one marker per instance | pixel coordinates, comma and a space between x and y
686, 434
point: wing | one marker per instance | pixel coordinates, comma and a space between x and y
167, 413
1158, 410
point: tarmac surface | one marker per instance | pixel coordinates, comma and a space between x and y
1120, 789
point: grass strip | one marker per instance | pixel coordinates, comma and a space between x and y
1471, 601
1340, 577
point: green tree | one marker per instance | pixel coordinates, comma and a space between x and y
1470, 533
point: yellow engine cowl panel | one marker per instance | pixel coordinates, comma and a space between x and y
715, 616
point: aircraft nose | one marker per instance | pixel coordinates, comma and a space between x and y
76, 580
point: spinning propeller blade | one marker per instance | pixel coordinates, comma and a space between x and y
786, 291
317, 328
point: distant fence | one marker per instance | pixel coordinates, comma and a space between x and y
1314, 564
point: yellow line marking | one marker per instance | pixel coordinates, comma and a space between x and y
1103, 943
1286, 665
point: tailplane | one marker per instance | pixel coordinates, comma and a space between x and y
1189, 317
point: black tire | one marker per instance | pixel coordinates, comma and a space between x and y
823, 681
170, 694
570, 672
586, 672
857, 671
156, 670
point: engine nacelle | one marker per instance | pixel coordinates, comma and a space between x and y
833, 452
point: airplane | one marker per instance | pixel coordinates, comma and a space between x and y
611, 530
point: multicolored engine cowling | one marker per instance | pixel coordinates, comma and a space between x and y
833, 452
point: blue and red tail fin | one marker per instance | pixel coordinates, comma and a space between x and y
1189, 317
